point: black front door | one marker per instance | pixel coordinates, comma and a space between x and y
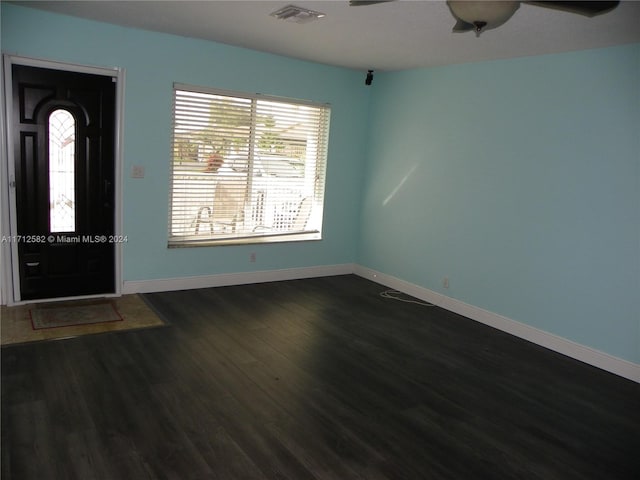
64, 125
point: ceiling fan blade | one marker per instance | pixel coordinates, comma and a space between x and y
588, 9
462, 26
362, 3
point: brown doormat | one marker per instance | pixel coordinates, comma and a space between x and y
57, 320
73, 315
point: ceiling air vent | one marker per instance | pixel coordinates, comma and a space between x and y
292, 13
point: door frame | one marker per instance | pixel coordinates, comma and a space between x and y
9, 266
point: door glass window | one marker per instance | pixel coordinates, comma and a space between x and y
62, 146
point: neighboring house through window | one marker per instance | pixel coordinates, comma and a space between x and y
246, 168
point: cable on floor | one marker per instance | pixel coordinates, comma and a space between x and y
396, 295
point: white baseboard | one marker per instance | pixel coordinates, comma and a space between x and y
548, 340
227, 279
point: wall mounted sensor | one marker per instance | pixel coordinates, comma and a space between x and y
369, 78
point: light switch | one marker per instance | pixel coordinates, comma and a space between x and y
137, 171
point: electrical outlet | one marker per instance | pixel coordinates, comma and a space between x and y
445, 282
137, 171
252, 257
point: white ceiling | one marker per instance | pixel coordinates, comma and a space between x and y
388, 36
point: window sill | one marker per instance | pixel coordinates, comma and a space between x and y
249, 240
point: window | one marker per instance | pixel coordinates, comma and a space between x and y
62, 198
246, 168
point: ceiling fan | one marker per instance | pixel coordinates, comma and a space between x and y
481, 15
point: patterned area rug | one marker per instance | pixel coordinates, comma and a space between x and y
67, 316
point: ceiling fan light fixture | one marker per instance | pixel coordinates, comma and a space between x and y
295, 14
483, 14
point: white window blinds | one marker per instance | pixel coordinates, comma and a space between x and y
246, 168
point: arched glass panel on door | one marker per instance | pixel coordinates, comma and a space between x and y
62, 147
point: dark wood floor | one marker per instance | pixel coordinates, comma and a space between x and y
311, 379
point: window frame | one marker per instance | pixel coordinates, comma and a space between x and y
317, 179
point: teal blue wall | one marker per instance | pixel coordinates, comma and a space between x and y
518, 180
153, 62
